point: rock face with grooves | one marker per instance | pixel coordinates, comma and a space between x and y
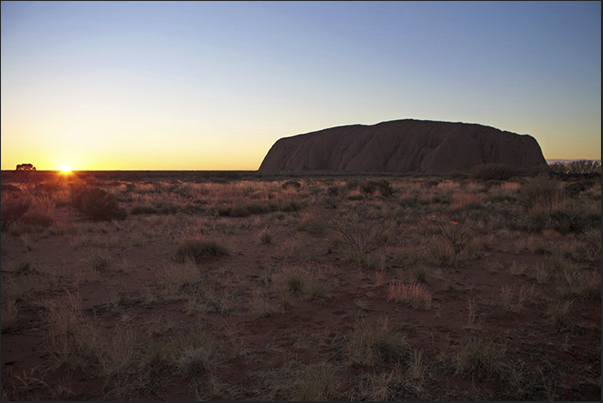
403, 146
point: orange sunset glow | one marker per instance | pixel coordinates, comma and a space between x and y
215, 84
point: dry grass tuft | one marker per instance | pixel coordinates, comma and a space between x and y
117, 353
265, 236
9, 314
177, 277
372, 343
557, 312
379, 277
316, 382
197, 250
480, 357
72, 337
311, 223
513, 300
193, 352
413, 294
262, 306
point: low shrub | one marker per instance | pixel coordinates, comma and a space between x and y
577, 167
457, 176
291, 185
355, 197
287, 206
487, 172
168, 209
541, 194
256, 208
7, 187
414, 295
567, 221
97, 204
37, 219
265, 236
573, 189
316, 382
352, 184
369, 187
430, 183
12, 208
311, 225
369, 344
197, 250
481, 358
458, 235
334, 191
357, 236
409, 202
136, 210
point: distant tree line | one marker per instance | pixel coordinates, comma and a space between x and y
577, 167
25, 167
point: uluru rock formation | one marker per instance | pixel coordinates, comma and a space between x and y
406, 145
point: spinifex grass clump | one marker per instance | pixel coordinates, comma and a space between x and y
197, 250
370, 343
136, 210
316, 382
413, 294
98, 205
37, 219
13, 208
480, 357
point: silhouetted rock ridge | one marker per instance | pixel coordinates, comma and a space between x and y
406, 145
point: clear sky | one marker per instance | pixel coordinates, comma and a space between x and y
211, 86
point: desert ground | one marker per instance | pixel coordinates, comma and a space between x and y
316, 286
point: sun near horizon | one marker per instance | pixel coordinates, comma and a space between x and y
66, 169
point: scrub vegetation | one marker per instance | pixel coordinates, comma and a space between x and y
316, 286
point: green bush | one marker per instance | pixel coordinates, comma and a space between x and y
197, 250
97, 204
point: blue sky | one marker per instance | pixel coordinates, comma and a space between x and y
212, 85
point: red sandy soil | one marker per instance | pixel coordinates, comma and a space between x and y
549, 360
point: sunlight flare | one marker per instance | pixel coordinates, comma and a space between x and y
65, 169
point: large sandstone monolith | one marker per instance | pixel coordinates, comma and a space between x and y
403, 146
